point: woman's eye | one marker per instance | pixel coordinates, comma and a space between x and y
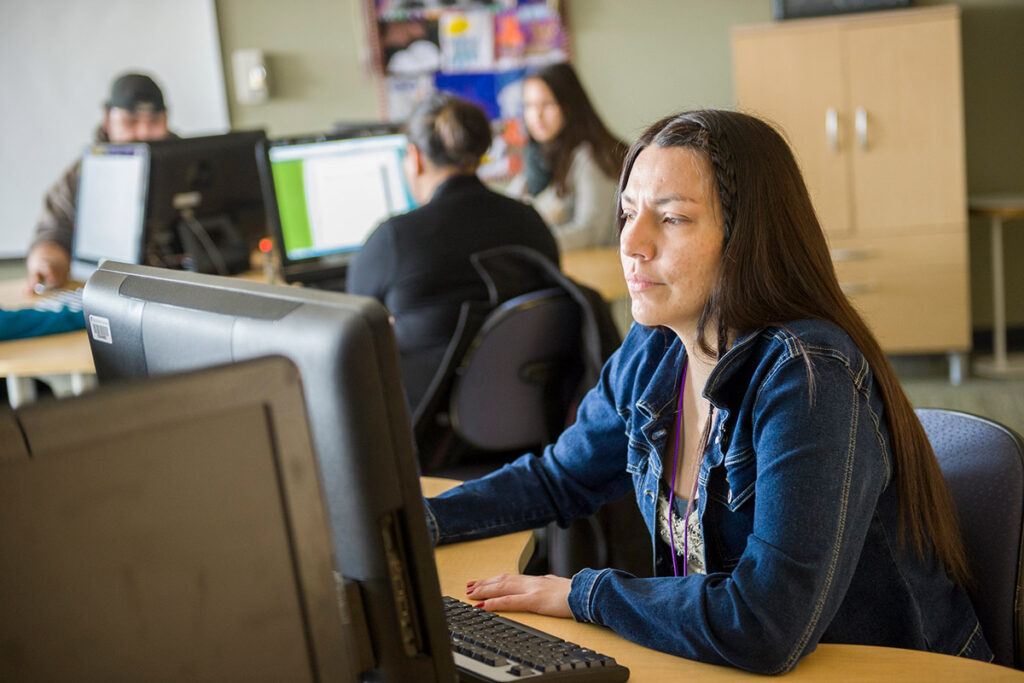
676, 220
627, 215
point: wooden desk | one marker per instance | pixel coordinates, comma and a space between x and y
599, 268
462, 562
64, 360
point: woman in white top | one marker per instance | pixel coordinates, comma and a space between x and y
572, 161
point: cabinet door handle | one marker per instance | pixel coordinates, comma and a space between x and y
832, 128
855, 288
861, 124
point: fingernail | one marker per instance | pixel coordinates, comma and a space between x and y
479, 604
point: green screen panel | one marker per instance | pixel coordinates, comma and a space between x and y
291, 205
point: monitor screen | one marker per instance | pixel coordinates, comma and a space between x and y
328, 195
170, 529
206, 210
146, 321
110, 207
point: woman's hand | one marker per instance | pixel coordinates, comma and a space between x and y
521, 593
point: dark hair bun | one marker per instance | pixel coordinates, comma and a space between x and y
450, 131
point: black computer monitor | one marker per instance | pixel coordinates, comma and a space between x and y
205, 210
170, 529
325, 195
146, 321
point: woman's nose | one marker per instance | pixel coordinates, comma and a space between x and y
635, 239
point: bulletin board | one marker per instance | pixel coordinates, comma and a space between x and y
476, 49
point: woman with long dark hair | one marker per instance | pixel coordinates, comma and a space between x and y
572, 160
790, 492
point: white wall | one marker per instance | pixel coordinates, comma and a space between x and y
57, 60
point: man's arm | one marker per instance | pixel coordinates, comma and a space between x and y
49, 257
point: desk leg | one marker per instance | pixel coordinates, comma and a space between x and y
20, 390
71, 384
82, 382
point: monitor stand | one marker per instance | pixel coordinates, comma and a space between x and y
212, 244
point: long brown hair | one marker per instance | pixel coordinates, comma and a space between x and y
776, 268
582, 124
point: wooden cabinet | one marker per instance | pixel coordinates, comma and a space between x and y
872, 105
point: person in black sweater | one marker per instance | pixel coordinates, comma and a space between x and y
418, 264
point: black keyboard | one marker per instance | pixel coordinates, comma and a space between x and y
56, 299
488, 647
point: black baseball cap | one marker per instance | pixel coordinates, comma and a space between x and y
136, 92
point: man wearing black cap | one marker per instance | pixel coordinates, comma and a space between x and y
135, 112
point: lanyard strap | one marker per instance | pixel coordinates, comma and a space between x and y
672, 486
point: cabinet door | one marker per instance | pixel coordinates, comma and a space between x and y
908, 160
792, 78
911, 289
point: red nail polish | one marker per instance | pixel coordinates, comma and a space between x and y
479, 604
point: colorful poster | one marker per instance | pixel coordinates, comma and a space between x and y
508, 86
410, 46
405, 92
478, 88
543, 34
397, 9
509, 40
477, 49
467, 41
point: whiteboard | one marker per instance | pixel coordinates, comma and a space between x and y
57, 61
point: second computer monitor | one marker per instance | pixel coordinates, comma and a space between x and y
184, 203
110, 207
205, 210
326, 195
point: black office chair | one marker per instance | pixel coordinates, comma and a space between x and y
514, 368
509, 384
511, 387
983, 462
514, 391
515, 384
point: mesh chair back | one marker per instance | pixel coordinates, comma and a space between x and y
983, 462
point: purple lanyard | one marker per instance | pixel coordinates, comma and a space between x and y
672, 487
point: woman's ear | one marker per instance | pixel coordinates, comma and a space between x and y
414, 159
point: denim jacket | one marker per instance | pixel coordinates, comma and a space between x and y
796, 507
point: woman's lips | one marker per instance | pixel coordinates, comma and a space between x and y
638, 283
